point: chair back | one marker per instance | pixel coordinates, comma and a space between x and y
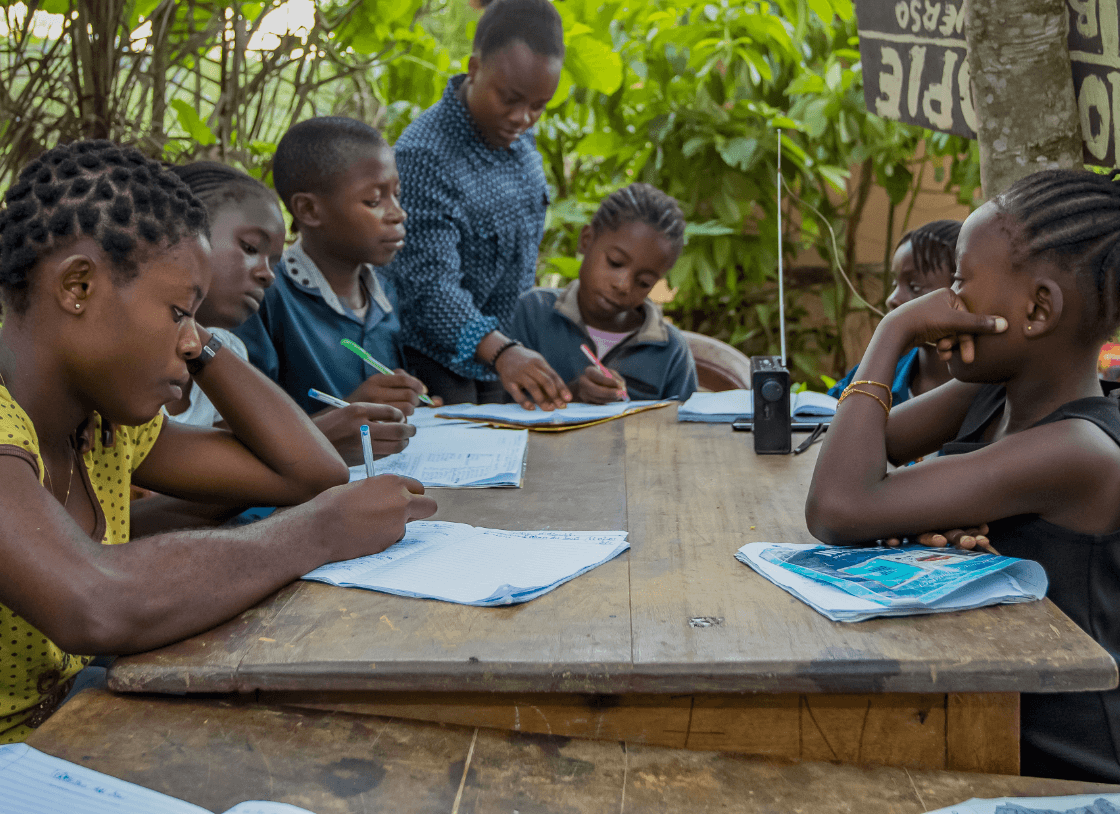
718, 365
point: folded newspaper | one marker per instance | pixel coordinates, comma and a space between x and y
852, 584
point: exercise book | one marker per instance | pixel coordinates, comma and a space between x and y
727, 405
457, 454
33, 782
572, 417
1075, 804
456, 562
849, 584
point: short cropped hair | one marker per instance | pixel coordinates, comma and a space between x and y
314, 152
534, 22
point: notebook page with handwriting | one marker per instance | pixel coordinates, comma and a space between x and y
33, 782
459, 563
458, 455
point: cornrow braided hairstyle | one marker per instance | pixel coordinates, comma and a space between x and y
534, 22
217, 184
643, 203
110, 193
934, 246
1072, 218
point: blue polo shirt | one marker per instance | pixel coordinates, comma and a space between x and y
654, 360
475, 223
296, 336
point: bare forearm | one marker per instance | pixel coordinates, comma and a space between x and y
170, 586
269, 423
160, 513
853, 458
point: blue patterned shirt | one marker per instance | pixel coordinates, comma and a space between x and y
475, 223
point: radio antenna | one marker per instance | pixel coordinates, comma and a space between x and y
781, 280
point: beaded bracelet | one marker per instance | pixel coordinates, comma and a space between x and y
511, 343
852, 389
890, 395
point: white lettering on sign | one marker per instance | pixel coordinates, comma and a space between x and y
920, 16
964, 88
1086, 21
1094, 99
938, 102
890, 85
917, 65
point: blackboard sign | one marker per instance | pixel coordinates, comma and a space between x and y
915, 67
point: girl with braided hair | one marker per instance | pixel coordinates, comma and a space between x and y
104, 259
923, 261
1035, 295
633, 241
247, 239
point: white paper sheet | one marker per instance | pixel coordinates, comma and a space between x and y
32, 782
457, 454
456, 562
1076, 804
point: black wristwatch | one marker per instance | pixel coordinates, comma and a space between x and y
208, 352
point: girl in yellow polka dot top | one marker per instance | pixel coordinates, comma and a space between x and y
104, 258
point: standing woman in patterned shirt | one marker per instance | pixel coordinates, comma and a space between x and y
473, 185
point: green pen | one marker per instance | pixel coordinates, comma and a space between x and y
376, 365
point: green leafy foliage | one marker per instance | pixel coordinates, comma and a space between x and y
687, 95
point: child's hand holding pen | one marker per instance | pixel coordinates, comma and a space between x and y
398, 389
341, 425
598, 384
393, 387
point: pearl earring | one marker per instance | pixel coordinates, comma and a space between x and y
77, 306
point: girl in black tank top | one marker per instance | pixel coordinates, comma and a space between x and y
1031, 446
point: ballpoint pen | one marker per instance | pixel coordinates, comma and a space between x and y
376, 365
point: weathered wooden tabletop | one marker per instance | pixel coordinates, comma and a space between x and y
218, 753
676, 614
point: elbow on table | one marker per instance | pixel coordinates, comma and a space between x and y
834, 519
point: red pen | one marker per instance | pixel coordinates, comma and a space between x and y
595, 361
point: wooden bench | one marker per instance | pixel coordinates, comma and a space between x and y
218, 752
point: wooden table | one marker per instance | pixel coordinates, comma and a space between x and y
218, 753
674, 643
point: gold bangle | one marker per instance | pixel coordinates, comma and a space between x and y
849, 390
890, 395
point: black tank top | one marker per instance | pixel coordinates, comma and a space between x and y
1064, 735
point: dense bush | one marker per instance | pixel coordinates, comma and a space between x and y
687, 95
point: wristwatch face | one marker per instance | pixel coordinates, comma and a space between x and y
209, 351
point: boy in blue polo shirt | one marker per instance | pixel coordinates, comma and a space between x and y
632, 242
338, 179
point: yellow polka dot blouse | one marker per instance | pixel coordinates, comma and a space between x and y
34, 673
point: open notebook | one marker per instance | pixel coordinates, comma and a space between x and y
572, 417
724, 407
457, 453
459, 563
1075, 804
32, 782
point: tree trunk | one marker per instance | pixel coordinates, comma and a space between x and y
1022, 87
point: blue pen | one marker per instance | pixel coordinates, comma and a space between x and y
327, 398
362, 354
367, 451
